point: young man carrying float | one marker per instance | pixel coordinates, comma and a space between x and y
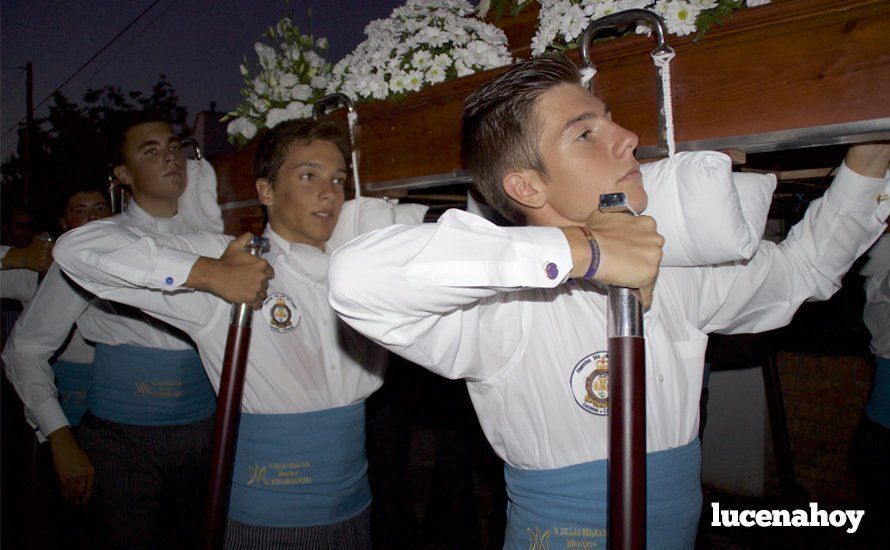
146, 435
300, 470
520, 313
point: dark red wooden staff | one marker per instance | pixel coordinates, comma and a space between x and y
627, 409
228, 414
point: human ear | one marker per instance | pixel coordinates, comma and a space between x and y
264, 191
526, 187
123, 175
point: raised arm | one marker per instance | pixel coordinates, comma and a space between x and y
405, 286
112, 261
765, 292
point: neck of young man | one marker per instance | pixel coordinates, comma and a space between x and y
291, 237
157, 208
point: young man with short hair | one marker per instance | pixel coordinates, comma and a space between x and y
520, 312
149, 423
300, 470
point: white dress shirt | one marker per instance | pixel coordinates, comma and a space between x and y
301, 360
58, 305
467, 299
876, 313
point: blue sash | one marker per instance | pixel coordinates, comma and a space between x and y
878, 406
150, 387
298, 470
567, 507
73, 380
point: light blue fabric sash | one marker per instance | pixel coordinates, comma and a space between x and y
298, 470
150, 387
567, 507
878, 406
73, 380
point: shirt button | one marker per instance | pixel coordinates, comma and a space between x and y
169, 280
661, 378
333, 366
552, 270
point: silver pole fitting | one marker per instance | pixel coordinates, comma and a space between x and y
242, 314
625, 313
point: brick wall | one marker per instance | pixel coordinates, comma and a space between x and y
824, 397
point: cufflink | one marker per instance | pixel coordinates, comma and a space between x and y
169, 280
552, 270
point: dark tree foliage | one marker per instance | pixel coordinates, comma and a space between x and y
71, 146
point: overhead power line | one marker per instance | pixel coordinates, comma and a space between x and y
127, 45
82, 67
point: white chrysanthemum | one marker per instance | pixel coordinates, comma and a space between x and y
754, 3
421, 59
560, 26
435, 74
679, 17
422, 42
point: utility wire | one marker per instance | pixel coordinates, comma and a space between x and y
127, 45
82, 67
12, 88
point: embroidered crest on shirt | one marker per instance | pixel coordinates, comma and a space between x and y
590, 383
280, 312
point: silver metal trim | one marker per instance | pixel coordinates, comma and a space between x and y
622, 19
242, 314
239, 204
625, 315
876, 129
421, 182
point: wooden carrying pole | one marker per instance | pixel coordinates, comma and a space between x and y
627, 409
228, 414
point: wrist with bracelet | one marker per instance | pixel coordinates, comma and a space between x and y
594, 253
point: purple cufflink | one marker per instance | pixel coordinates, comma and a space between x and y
552, 270
169, 280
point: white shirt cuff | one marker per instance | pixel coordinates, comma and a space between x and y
173, 268
49, 417
855, 193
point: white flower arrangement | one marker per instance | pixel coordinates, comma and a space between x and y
561, 22
290, 76
423, 42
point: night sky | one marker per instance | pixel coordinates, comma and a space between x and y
197, 44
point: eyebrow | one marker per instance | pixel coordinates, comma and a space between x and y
318, 166
587, 115
156, 142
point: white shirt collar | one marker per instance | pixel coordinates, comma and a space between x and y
307, 259
138, 217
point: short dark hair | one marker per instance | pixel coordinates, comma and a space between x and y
85, 188
124, 124
276, 143
500, 129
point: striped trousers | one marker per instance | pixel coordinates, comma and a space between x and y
351, 534
151, 482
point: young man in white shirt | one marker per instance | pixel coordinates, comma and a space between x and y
40, 333
520, 312
149, 425
300, 470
